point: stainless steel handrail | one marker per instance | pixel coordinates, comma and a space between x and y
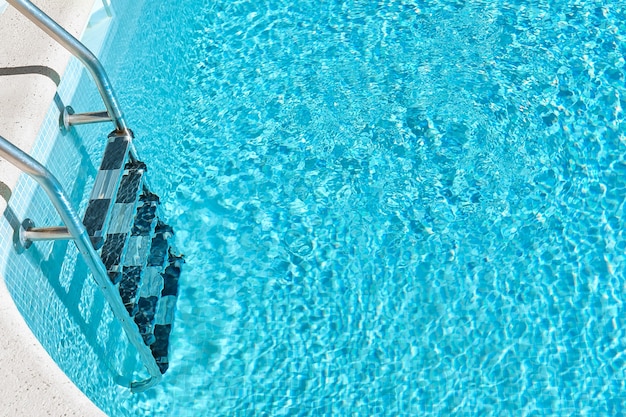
107, 8
73, 226
79, 234
46, 233
80, 51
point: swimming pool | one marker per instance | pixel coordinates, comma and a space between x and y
392, 208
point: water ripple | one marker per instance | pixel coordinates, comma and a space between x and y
394, 208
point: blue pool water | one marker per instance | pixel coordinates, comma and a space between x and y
388, 208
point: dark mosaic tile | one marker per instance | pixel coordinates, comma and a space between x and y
115, 277
112, 250
95, 215
147, 306
136, 165
129, 187
146, 309
165, 229
171, 276
144, 220
158, 251
128, 287
115, 153
150, 196
148, 337
96, 242
160, 346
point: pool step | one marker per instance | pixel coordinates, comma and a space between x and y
122, 215
165, 309
139, 247
124, 221
105, 188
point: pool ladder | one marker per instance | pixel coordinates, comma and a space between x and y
137, 267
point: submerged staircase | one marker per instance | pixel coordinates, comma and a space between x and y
125, 224
136, 267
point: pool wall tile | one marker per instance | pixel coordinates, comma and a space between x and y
50, 282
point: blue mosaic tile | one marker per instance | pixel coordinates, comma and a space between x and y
152, 282
166, 308
105, 184
138, 251
121, 218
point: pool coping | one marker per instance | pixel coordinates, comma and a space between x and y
31, 65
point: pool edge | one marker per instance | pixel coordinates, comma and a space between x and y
32, 383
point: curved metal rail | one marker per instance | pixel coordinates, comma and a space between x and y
78, 233
74, 229
80, 51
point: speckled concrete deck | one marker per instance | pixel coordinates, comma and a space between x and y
31, 383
